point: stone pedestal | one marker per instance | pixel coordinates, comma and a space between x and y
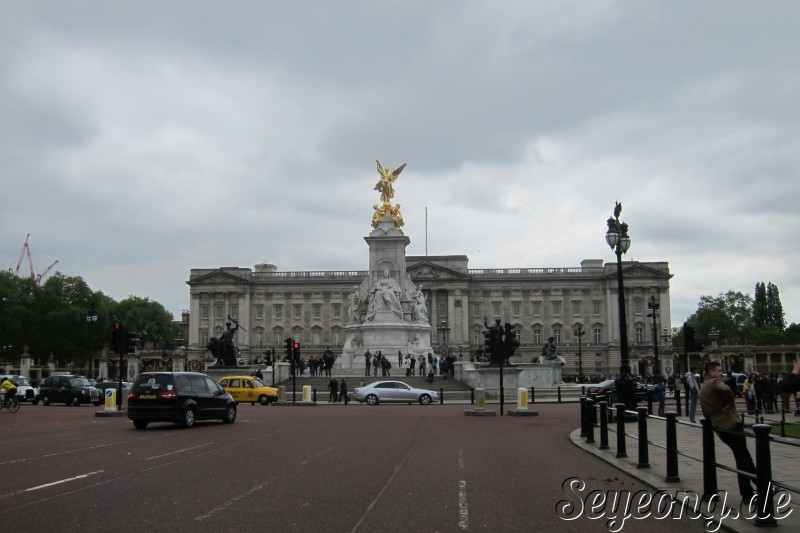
376, 326
488, 377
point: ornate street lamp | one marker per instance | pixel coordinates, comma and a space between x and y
714, 350
579, 335
619, 241
667, 336
444, 329
91, 318
654, 310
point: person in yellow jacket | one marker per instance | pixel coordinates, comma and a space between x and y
719, 407
9, 389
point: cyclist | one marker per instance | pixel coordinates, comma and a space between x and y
9, 389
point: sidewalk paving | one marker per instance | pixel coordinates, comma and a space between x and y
785, 466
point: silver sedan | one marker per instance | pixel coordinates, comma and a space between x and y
393, 392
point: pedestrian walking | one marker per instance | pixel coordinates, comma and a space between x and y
343, 392
333, 387
693, 389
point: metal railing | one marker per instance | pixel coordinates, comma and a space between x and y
761, 433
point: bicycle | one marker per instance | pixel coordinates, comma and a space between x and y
13, 404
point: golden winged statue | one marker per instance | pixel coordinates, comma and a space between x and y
385, 186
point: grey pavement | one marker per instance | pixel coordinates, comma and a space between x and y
785, 465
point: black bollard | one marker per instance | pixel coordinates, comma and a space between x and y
672, 446
621, 452
315, 395
584, 417
649, 404
644, 458
603, 425
766, 508
709, 461
559, 394
678, 400
472, 396
441, 396
591, 411
533, 397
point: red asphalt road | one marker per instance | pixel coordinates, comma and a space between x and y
334, 468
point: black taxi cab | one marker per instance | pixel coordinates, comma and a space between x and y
248, 389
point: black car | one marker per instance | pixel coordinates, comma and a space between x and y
606, 392
179, 397
69, 389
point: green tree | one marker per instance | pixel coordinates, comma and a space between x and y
149, 319
774, 308
760, 305
731, 314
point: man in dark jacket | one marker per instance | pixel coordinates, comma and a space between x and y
791, 383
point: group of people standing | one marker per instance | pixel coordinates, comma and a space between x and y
338, 391
422, 365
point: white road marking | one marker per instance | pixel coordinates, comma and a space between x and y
463, 511
233, 500
62, 481
178, 451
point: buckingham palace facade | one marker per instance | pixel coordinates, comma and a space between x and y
311, 307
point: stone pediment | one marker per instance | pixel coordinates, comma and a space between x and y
427, 270
219, 276
638, 270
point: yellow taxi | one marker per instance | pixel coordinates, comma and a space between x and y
249, 389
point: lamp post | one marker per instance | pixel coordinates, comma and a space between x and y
654, 310
579, 335
619, 241
91, 318
714, 350
667, 336
182, 351
444, 329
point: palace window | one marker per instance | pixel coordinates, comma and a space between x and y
596, 308
279, 312
598, 335
515, 308
576, 308
234, 311
259, 312
556, 308
204, 313
557, 335
298, 311
476, 309
218, 312
537, 336
337, 311
639, 334
317, 309
537, 308
496, 309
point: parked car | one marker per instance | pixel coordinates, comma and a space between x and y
740, 383
179, 397
67, 388
24, 390
393, 392
605, 391
102, 386
249, 389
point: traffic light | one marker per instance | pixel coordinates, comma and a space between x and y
511, 341
131, 342
488, 341
689, 342
289, 350
116, 336
296, 350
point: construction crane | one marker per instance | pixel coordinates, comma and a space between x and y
26, 250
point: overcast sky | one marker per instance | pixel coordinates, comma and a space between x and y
141, 139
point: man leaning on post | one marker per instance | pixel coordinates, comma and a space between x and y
719, 407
